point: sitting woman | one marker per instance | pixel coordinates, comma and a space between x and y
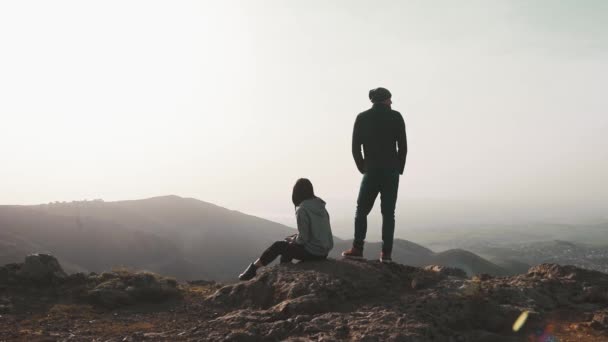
314, 239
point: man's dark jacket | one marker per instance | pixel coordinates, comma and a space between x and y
381, 131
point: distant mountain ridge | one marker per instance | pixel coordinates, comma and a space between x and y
517, 256
183, 237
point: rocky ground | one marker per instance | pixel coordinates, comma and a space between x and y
332, 300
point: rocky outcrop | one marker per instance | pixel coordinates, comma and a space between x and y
334, 300
37, 268
40, 267
123, 288
314, 287
42, 274
358, 300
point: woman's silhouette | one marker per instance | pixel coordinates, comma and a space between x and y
314, 239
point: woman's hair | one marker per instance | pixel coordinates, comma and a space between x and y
302, 190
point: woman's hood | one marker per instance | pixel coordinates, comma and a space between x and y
314, 206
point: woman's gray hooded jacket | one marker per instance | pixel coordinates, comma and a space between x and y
314, 229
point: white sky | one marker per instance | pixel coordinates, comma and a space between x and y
231, 102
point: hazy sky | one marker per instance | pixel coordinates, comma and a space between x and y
231, 102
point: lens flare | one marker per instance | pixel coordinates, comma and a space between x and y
520, 321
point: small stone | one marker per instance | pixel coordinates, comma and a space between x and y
5, 308
481, 277
153, 335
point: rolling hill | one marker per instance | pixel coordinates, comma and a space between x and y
181, 237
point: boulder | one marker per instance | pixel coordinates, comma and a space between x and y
41, 267
124, 288
314, 287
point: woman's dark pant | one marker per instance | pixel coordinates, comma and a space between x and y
288, 251
386, 183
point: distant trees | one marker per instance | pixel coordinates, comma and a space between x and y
85, 201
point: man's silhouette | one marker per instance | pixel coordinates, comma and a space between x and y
381, 132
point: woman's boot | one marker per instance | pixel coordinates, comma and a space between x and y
249, 273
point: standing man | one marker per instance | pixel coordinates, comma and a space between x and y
381, 132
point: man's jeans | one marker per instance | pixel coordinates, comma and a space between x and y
385, 182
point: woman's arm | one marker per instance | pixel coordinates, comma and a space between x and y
303, 226
291, 238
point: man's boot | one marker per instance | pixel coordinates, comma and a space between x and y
385, 257
353, 253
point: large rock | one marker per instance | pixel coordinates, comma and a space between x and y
314, 287
115, 289
360, 300
41, 267
356, 300
42, 274
321, 301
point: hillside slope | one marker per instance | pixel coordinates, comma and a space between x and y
80, 243
169, 234
181, 237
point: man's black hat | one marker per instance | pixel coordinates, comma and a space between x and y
379, 95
